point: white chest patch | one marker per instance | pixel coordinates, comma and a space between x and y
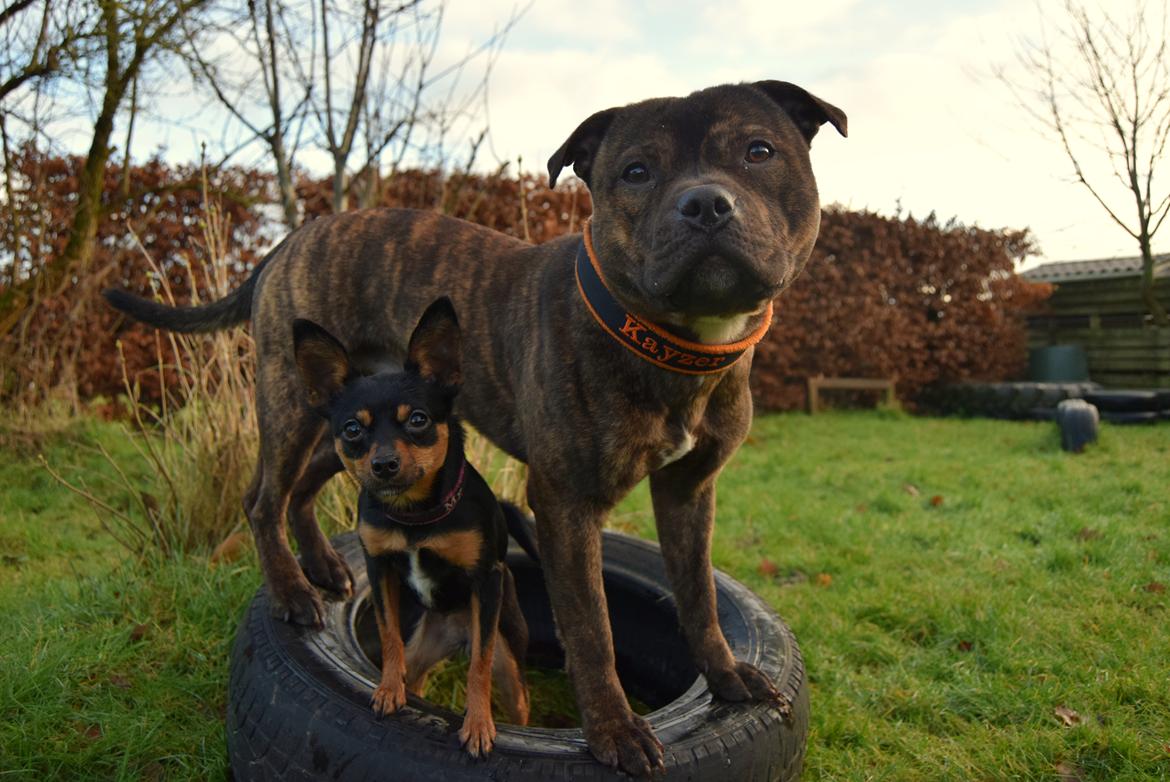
422, 584
681, 450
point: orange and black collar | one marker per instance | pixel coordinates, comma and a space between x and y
647, 340
433, 514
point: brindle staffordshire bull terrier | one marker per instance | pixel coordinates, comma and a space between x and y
597, 363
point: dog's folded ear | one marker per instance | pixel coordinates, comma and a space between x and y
807, 110
322, 363
436, 346
581, 147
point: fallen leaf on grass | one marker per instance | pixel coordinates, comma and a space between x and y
824, 579
1085, 533
121, 682
911, 489
138, 632
966, 646
1067, 772
769, 569
1067, 716
91, 732
936, 500
1155, 587
231, 548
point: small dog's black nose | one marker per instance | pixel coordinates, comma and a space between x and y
385, 466
708, 207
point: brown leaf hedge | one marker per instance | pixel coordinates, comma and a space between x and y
919, 300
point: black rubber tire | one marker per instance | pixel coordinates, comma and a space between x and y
1079, 423
1132, 417
299, 699
1050, 395
1028, 396
1124, 401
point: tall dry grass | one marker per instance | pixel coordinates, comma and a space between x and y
200, 440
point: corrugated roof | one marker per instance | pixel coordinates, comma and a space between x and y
1101, 269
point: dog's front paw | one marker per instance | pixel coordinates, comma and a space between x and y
295, 600
389, 698
327, 569
626, 742
478, 734
746, 682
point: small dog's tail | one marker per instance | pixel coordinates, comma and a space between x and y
234, 308
521, 527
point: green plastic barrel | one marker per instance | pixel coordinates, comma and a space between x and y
1058, 364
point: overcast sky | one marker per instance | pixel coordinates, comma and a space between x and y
930, 127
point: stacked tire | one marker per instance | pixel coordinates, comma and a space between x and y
1131, 406
1013, 401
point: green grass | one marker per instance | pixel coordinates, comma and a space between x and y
941, 636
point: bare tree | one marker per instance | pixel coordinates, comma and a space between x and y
1098, 79
33, 43
130, 33
40, 41
252, 79
392, 88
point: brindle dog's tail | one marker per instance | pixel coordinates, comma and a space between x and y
234, 308
520, 528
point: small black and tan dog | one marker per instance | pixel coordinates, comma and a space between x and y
430, 526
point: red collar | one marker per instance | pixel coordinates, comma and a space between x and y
434, 514
648, 340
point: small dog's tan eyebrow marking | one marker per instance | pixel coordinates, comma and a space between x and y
403, 413
364, 417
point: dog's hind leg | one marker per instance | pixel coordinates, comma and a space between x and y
508, 662
288, 433
319, 560
436, 638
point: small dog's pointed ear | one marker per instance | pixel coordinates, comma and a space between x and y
436, 346
581, 147
322, 362
807, 110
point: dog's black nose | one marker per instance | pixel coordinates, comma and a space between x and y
385, 466
708, 207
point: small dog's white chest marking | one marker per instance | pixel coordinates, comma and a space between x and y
419, 581
682, 449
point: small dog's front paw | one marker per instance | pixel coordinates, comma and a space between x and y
626, 742
478, 734
296, 601
746, 682
389, 698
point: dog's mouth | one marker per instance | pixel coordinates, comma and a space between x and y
712, 284
394, 490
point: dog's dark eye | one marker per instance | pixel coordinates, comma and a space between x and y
758, 152
352, 430
636, 174
418, 421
